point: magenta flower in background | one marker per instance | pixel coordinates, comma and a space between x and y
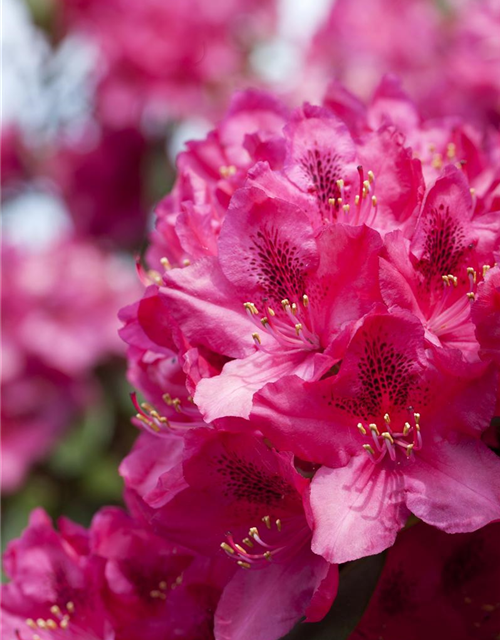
447, 53
59, 322
437, 586
168, 58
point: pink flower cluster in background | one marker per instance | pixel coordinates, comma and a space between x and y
448, 52
59, 323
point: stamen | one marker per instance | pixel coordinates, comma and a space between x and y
267, 521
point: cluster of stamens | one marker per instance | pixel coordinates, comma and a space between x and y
257, 551
152, 420
390, 442
161, 592
356, 208
293, 328
60, 620
452, 312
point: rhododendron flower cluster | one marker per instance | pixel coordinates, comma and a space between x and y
58, 323
324, 282
317, 348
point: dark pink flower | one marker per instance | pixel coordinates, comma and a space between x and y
237, 493
189, 219
398, 430
154, 589
437, 586
55, 585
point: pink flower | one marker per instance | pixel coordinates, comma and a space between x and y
154, 589
98, 175
398, 430
208, 173
437, 586
248, 499
55, 584
168, 58
448, 59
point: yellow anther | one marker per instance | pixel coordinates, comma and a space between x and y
31, 623
366, 185
406, 428
278, 524
157, 594
264, 321
305, 300
64, 622
54, 610
186, 262
486, 268
155, 277
70, 607
388, 437
147, 407
267, 521
294, 308
451, 150
271, 312
409, 449
361, 428
356, 200
471, 295
227, 171
226, 547
331, 201
437, 161
373, 427
346, 208
446, 280
374, 201
244, 565
51, 624
472, 191
249, 306
41, 623
165, 263
364, 193
240, 548
340, 202
340, 184
298, 328
387, 418
248, 542
267, 556
162, 585
369, 449
285, 303
417, 418
147, 422
256, 338
179, 579
371, 176
253, 532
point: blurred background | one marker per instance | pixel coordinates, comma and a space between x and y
98, 98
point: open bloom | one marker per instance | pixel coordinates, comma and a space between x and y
398, 430
55, 584
233, 494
